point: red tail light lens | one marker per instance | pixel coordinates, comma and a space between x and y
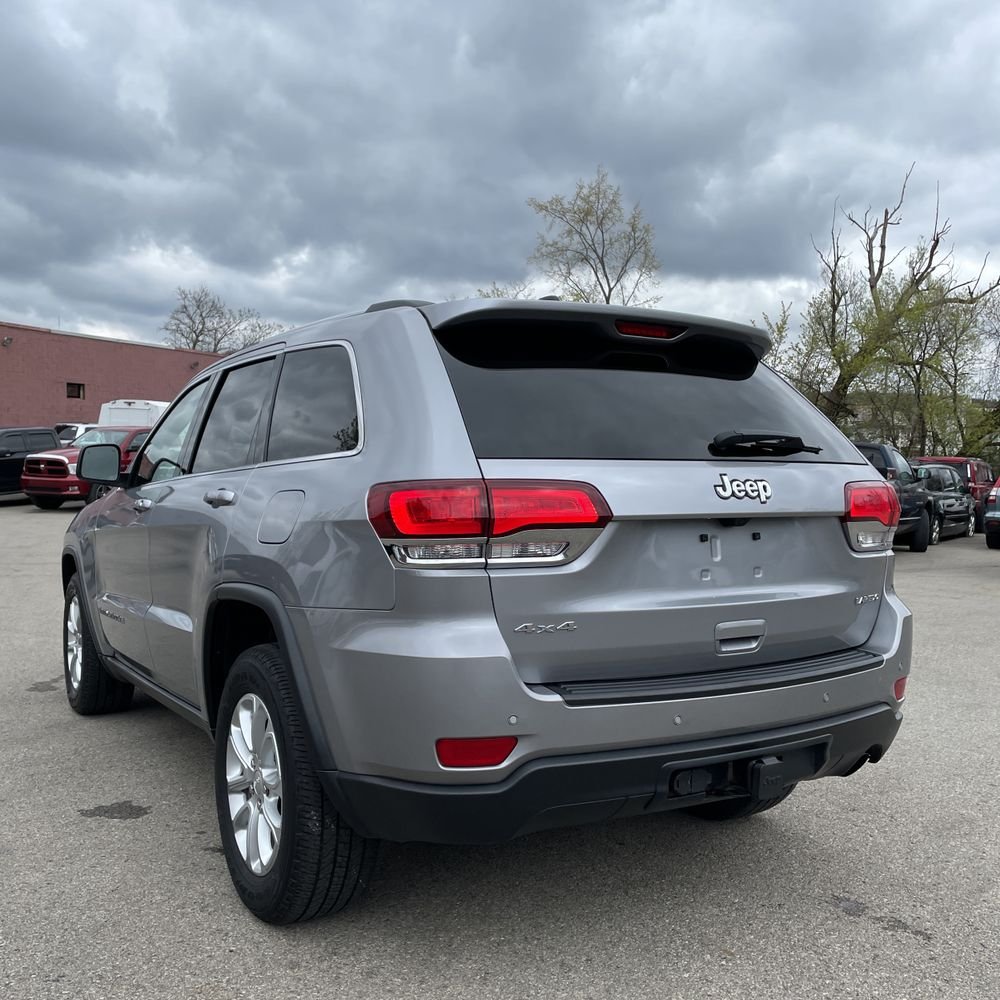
870, 516
436, 509
516, 506
658, 330
899, 688
871, 502
475, 752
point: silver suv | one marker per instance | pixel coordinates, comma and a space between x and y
458, 572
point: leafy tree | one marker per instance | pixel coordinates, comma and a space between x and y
592, 250
201, 321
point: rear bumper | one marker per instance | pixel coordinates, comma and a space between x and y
581, 788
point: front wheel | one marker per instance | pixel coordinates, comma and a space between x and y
729, 809
936, 526
970, 528
290, 854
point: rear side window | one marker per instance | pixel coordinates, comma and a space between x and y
315, 407
571, 390
13, 442
39, 439
228, 438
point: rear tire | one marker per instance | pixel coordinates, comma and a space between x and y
980, 527
47, 503
921, 534
295, 858
937, 526
90, 689
993, 540
970, 528
730, 809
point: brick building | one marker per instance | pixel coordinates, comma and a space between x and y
48, 377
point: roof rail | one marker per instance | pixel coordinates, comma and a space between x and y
396, 303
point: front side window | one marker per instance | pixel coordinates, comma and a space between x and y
164, 451
901, 466
12, 442
228, 439
315, 407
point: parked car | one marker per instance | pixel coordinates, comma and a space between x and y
975, 473
991, 517
15, 445
954, 508
916, 506
459, 572
49, 477
68, 433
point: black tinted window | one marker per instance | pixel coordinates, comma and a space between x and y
566, 390
228, 438
39, 439
315, 409
12, 442
164, 451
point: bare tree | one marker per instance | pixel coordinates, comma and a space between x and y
592, 250
201, 321
515, 290
850, 333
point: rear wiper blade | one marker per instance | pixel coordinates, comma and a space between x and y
759, 443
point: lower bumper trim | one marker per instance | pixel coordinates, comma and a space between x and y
581, 788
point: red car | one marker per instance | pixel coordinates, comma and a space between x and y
975, 473
49, 477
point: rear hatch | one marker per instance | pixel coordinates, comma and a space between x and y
718, 556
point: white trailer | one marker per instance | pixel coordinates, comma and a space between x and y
131, 412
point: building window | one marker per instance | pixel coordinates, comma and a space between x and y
74, 390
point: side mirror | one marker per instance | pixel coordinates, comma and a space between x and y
99, 463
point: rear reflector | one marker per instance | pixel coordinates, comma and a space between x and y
658, 330
899, 688
475, 752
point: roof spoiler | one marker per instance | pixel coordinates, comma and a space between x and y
441, 315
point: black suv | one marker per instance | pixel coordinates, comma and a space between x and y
915, 501
16, 443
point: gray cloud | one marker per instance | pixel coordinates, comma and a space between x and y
312, 158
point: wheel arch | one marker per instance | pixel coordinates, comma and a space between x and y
240, 616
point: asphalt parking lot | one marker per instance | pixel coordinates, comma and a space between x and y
886, 884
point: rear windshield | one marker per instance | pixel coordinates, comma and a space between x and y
573, 390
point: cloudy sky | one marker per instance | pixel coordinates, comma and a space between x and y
309, 157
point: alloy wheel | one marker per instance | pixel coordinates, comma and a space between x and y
935, 531
253, 775
74, 644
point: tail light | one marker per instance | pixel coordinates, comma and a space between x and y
899, 688
506, 521
871, 516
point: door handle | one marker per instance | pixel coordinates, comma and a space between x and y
220, 498
139, 504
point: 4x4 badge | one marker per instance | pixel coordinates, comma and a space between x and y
743, 489
532, 629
